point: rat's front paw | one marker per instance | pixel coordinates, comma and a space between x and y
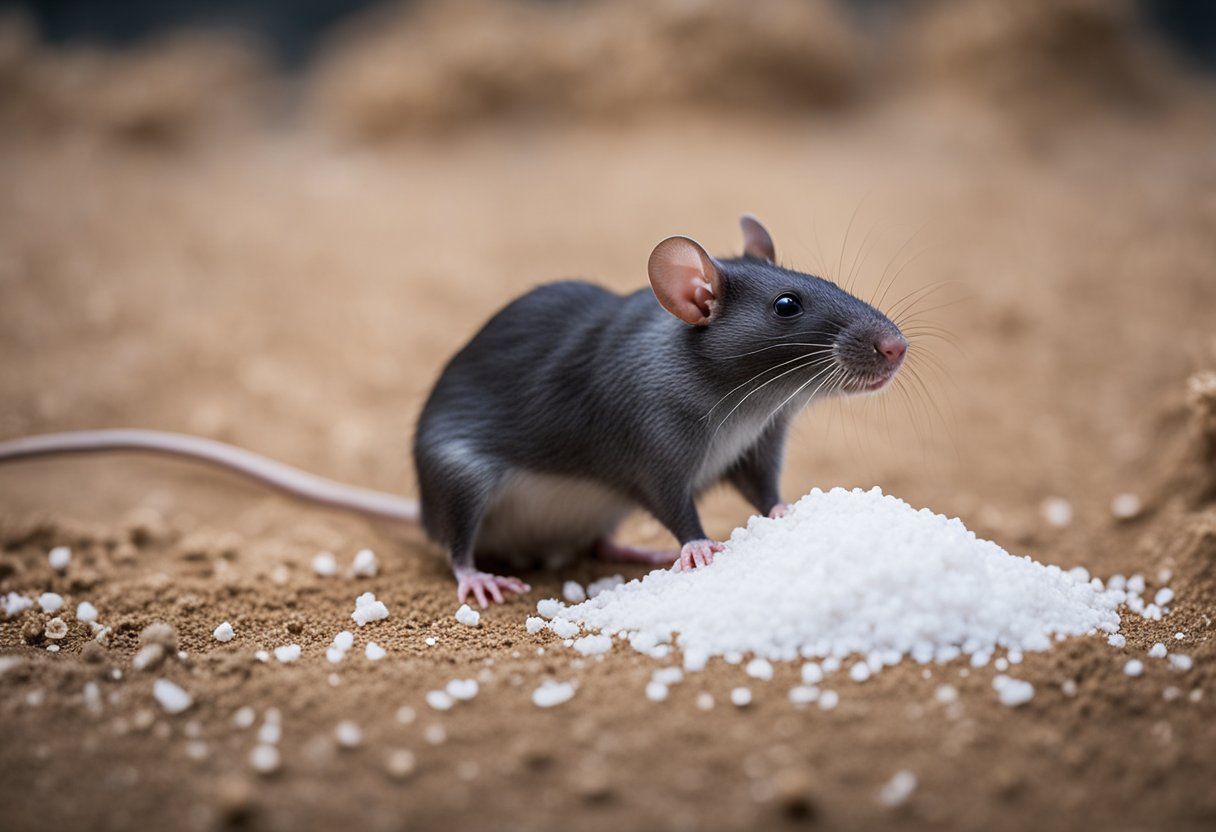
696, 553
778, 511
485, 586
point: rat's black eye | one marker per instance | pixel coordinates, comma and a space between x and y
787, 306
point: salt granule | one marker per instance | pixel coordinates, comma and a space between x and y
812, 673
344, 640
262, 656
1158, 651
593, 645
829, 699
656, 691
468, 616
86, 612
859, 672
1057, 512
440, 700
534, 624
368, 609
462, 689
288, 653
171, 697
325, 564
374, 652
604, 584
573, 592
1180, 662
804, 694
264, 759
741, 697
1116, 640
59, 558
668, 675
348, 733
1134, 667
946, 694
1163, 596
1125, 506
270, 733
552, 693
244, 717
1012, 692
898, 789
548, 607
365, 565
50, 601
759, 669
705, 701
563, 628
15, 604
223, 632
854, 573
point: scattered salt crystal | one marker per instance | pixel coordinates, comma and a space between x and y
1134, 667
741, 697
1135, 584
593, 645
1057, 511
695, 660
287, 653
1158, 651
705, 701
804, 694
273, 716
1116, 640
1164, 576
831, 664
1001, 664
56, 628
946, 694
859, 672
1069, 687
548, 607
759, 669
86, 612
534, 624
52, 648
1125, 506
1180, 662
244, 717
1171, 693
552, 693
1179, 636
15, 604
224, 632
400, 763
92, 697
349, 734
573, 592
368, 609
264, 759
171, 697
468, 616
59, 558
435, 734
812, 673
50, 601
333, 655
344, 640
563, 628
406, 715
270, 733
1012, 692
1163, 596
148, 656
430, 641
374, 652
462, 689
668, 675
325, 564
898, 789
440, 700
656, 691
334, 680
828, 700
365, 565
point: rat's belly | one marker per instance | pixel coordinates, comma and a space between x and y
547, 519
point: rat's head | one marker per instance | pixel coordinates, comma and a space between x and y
782, 328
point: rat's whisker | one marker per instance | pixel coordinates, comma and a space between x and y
757, 389
813, 356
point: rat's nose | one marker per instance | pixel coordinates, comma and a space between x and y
892, 345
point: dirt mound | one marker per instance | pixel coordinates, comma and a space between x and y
438, 64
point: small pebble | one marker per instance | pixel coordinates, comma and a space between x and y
56, 628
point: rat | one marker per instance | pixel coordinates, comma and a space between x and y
574, 406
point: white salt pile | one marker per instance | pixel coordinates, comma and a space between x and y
851, 573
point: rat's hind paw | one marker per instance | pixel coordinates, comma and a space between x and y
696, 553
485, 586
610, 550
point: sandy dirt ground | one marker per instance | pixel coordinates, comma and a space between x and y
295, 291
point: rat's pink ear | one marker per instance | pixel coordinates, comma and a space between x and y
685, 279
756, 240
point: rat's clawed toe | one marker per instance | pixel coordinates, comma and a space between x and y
697, 553
485, 587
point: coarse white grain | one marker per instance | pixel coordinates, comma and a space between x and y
740, 697
760, 669
1180, 662
406, 715
562, 628
287, 653
92, 697
1012, 692
1179, 636
374, 652
573, 592
1125, 506
551, 693
656, 691
368, 609
1116, 640
705, 701
15, 604
333, 655
604, 584
400, 763
50, 601
668, 675
1134, 667
804, 694
171, 697
270, 733
946, 694
59, 558
365, 564
430, 641
435, 734
264, 759
1158, 651
859, 672
548, 607
325, 564
344, 640
462, 689
349, 734
535, 624
223, 632
1163, 596
52, 648
593, 645
244, 717
440, 700
828, 700
898, 789
1057, 511
86, 612
812, 673
1069, 687
468, 616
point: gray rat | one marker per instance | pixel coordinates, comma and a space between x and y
573, 406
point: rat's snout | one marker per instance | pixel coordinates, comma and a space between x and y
893, 346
